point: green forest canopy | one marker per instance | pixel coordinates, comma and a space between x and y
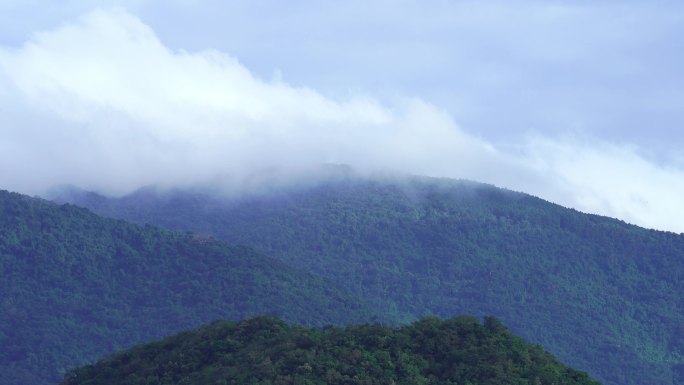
602, 295
76, 286
267, 351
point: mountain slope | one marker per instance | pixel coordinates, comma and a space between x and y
602, 295
267, 351
76, 286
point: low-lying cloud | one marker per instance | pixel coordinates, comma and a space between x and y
103, 104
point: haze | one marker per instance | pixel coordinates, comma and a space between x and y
576, 102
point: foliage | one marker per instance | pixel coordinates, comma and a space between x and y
602, 295
76, 286
265, 351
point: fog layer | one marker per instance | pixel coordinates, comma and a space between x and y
103, 104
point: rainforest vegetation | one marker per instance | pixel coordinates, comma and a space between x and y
602, 295
267, 351
75, 286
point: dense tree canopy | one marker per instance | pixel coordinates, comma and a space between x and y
602, 295
267, 351
75, 286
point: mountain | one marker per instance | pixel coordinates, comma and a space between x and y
76, 286
602, 295
267, 351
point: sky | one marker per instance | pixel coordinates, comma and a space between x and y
577, 102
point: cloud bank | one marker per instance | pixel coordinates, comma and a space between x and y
103, 104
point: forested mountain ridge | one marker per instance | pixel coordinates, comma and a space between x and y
75, 286
602, 295
267, 351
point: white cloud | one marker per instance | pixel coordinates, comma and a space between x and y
115, 99
104, 104
611, 180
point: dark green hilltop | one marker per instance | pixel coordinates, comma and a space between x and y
601, 295
266, 351
75, 286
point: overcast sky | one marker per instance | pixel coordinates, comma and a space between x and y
578, 102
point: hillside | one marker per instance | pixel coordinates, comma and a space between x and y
76, 286
268, 351
602, 295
